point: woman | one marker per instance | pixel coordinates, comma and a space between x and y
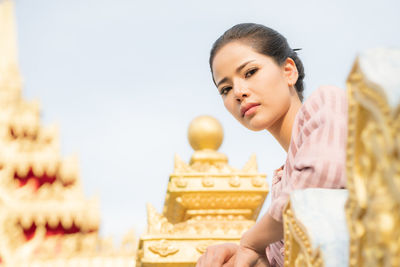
260, 79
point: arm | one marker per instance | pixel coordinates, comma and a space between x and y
218, 255
251, 251
266, 231
253, 243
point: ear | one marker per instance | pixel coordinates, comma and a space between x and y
290, 71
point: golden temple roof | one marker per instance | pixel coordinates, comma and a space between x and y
207, 201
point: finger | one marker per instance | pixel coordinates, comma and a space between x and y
218, 259
230, 262
240, 262
245, 258
217, 255
209, 260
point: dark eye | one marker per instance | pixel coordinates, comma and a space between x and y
250, 73
225, 90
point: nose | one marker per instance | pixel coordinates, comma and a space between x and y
240, 92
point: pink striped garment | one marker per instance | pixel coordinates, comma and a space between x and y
316, 155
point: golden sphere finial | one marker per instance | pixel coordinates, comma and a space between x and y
205, 132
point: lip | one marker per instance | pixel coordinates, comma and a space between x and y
248, 109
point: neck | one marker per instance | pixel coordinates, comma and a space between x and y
282, 129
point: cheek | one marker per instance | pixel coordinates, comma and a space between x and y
283, 106
281, 102
280, 107
231, 106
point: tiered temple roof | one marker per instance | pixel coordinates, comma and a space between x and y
207, 202
45, 220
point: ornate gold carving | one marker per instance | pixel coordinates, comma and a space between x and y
45, 220
298, 249
180, 166
181, 182
221, 200
202, 247
164, 248
207, 202
234, 181
257, 181
207, 182
251, 166
156, 223
10, 80
373, 172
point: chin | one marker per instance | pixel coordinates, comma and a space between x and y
255, 125
255, 128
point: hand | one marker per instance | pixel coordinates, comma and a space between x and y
218, 256
247, 257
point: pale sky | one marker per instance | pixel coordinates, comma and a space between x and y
124, 78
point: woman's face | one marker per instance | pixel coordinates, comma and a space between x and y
255, 89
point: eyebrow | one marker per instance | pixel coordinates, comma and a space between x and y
237, 71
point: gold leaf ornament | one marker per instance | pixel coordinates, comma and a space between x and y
208, 182
202, 247
234, 181
257, 181
164, 248
181, 182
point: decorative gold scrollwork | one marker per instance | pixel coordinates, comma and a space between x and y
207, 182
180, 182
202, 247
234, 181
164, 248
257, 181
373, 175
298, 249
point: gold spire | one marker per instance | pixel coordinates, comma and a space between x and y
205, 132
205, 135
10, 79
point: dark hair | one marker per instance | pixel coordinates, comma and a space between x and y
265, 41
